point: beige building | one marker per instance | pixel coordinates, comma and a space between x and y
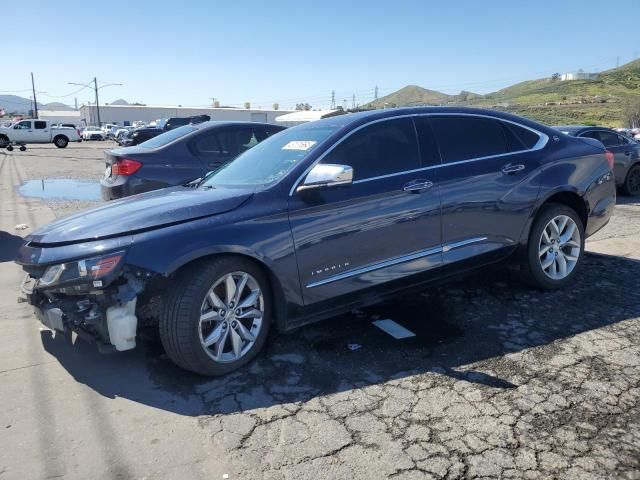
127, 114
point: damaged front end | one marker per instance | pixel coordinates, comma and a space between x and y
94, 297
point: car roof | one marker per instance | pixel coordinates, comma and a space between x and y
226, 123
353, 119
576, 129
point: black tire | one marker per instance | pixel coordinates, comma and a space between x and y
4, 141
23, 148
61, 141
532, 270
631, 185
10, 148
179, 321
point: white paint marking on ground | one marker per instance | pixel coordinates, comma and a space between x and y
394, 329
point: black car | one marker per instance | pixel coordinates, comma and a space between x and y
178, 156
317, 220
176, 122
139, 135
626, 152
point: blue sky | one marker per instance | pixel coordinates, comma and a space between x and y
185, 52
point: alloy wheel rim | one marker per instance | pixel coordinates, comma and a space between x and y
231, 317
559, 247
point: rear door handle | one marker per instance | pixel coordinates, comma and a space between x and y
509, 168
417, 186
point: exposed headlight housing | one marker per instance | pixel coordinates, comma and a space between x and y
93, 270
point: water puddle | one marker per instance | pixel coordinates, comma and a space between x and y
61, 189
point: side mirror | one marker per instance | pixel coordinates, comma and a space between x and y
327, 175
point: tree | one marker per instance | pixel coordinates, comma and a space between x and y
555, 77
303, 106
631, 113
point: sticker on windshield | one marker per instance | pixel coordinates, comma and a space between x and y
299, 145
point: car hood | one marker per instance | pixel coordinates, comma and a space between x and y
139, 213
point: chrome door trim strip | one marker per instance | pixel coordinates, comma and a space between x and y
377, 266
463, 243
543, 139
395, 261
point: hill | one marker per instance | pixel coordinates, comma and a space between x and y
548, 100
21, 105
411, 95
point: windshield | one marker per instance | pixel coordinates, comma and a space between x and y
271, 159
167, 137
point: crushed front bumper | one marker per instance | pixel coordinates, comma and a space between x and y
97, 317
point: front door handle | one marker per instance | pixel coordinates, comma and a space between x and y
509, 168
417, 186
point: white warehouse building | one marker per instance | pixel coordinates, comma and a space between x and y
127, 114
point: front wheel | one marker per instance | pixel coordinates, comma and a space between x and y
631, 184
555, 248
217, 316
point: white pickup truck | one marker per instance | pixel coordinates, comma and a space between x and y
37, 131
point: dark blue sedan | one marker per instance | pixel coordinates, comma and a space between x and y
317, 220
178, 156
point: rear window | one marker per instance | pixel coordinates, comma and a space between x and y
168, 137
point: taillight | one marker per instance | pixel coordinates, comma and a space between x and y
78, 130
609, 156
125, 167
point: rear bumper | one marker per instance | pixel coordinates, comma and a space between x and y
600, 215
127, 186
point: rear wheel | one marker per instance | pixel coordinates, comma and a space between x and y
61, 141
555, 248
631, 184
217, 316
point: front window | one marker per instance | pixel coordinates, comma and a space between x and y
168, 137
272, 159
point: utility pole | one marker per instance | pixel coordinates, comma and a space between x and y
376, 93
353, 101
95, 89
333, 99
35, 101
95, 86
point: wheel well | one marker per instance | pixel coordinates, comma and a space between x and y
60, 135
572, 200
279, 302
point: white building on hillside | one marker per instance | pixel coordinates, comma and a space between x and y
127, 114
579, 75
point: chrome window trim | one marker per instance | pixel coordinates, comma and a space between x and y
543, 139
397, 260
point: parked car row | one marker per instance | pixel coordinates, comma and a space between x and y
309, 222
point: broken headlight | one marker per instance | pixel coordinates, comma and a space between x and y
92, 270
